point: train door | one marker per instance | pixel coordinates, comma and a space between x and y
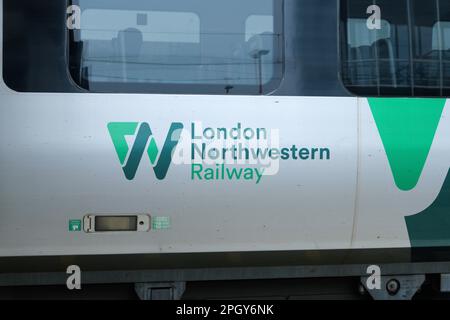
401, 63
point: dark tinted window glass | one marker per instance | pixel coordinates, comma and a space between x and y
444, 15
207, 46
36, 55
34, 46
396, 48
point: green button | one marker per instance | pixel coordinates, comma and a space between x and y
75, 225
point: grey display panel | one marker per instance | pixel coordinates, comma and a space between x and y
111, 224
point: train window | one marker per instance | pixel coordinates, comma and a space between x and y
176, 46
396, 48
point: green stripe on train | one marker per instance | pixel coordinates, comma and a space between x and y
407, 127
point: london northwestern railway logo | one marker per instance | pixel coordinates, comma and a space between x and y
226, 153
144, 143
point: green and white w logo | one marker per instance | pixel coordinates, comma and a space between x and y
144, 142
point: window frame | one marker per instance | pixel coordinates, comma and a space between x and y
193, 89
340, 29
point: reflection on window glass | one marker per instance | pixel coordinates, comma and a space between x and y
184, 46
407, 56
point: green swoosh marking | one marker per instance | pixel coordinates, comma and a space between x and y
407, 127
